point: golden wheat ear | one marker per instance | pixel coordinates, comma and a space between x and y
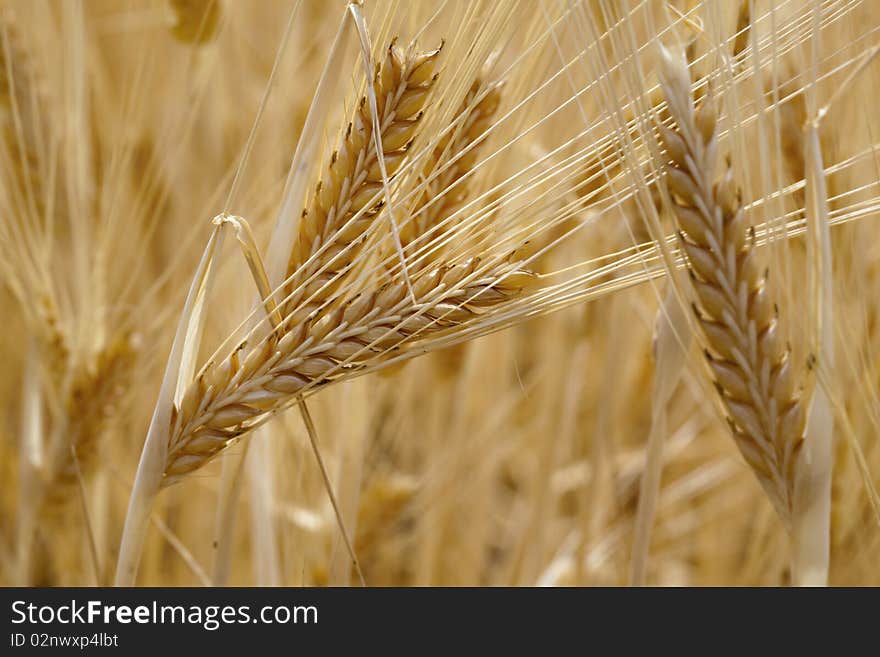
346, 201
230, 397
93, 401
450, 164
322, 334
746, 352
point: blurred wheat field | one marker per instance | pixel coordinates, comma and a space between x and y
560, 293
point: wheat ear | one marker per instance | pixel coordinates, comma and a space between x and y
93, 400
25, 135
351, 188
228, 398
750, 360
453, 158
444, 186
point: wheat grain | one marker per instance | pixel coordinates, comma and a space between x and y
323, 246
445, 176
751, 363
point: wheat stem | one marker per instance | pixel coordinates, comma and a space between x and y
151, 466
313, 441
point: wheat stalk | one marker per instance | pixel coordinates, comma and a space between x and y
23, 128
747, 354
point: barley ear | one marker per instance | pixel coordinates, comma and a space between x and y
746, 351
451, 162
346, 200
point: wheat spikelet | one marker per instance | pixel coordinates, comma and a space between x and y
227, 399
354, 178
746, 353
54, 340
195, 21
451, 161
